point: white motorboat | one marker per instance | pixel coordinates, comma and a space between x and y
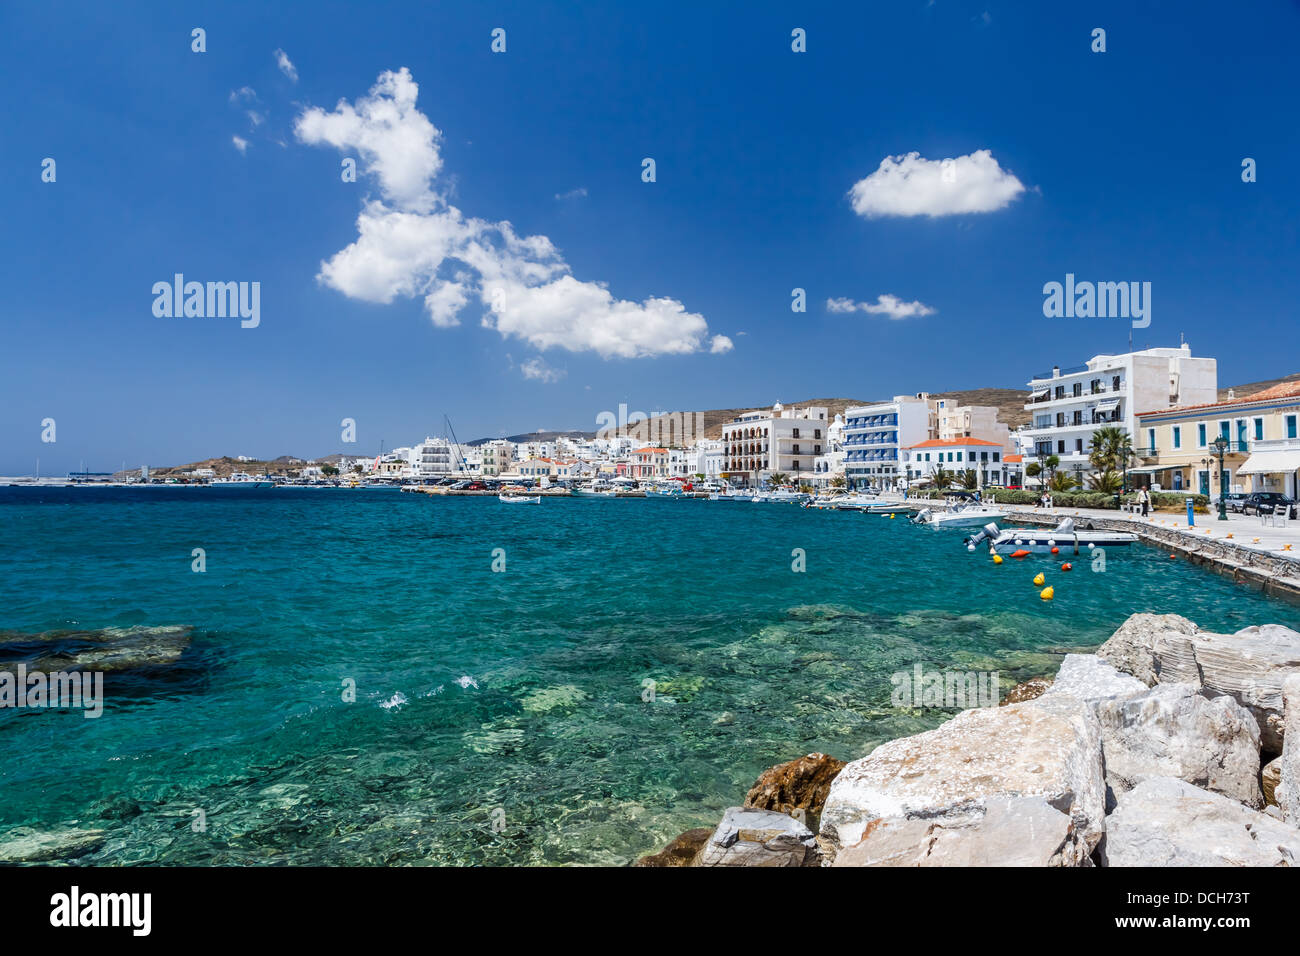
783, 496
1064, 537
520, 499
242, 482
960, 516
855, 502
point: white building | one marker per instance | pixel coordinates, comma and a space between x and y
1110, 390
875, 436
956, 455
761, 443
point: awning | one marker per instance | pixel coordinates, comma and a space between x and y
1105, 407
1153, 469
1281, 461
1039, 395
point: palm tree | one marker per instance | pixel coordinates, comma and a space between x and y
838, 482
969, 480
1104, 448
778, 478
1062, 481
942, 478
1109, 481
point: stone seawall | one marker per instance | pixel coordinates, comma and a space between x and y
1273, 574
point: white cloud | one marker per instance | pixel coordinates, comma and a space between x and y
890, 305
243, 94
537, 369
241, 144
912, 186
720, 343
286, 65
412, 242
579, 193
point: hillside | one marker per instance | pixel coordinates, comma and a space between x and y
1008, 401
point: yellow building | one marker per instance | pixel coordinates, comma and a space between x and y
1176, 450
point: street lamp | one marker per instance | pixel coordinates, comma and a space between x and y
1221, 445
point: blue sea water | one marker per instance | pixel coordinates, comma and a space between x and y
502, 717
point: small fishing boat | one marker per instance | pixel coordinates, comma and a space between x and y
1064, 537
783, 496
519, 499
854, 502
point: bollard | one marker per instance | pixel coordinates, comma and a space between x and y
1191, 514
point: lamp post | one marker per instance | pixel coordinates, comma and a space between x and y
1221, 445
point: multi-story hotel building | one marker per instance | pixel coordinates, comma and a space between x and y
785, 440
498, 456
875, 436
1068, 405
1175, 446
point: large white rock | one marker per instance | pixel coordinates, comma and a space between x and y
1090, 679
1168, 822
751, 837
1288, 786
1131, 648
1048, 748
1248, 666
1171, 730
1006, 831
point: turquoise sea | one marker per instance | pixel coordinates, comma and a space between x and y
501, 717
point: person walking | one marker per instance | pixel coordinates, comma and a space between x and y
1144, 496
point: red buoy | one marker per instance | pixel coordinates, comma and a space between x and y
1067, 566
1023, 553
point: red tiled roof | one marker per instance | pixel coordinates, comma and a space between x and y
1014, 459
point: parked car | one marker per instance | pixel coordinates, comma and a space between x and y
1264, 502
1234, 501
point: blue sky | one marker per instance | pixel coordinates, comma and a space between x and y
1115, 166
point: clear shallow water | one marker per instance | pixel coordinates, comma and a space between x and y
519, 690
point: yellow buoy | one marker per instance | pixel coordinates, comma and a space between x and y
997, 559
1047, 594
1039, 579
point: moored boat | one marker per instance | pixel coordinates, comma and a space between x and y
1042, 540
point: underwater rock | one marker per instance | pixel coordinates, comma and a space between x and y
681, 851
109, 649
28, 845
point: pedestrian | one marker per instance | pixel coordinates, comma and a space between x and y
1144, 496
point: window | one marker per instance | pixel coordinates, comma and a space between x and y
1290, 426
1200, 435
984, 456
1223, 431
959, 456
796, 433
995, 455
1259, 429
1114, 382
1178, 437
1151, 438
1060, 446
1078, 446
1060, 391
1078, 389
817, 433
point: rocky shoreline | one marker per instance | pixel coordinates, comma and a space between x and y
1170, 746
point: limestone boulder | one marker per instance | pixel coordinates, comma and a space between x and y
1002, 831
1166, 822
1131, 649
29, 845
1269, 776
1288, 783
1048, 749
1248, 666
1171, 730
1090, 679
750, 837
